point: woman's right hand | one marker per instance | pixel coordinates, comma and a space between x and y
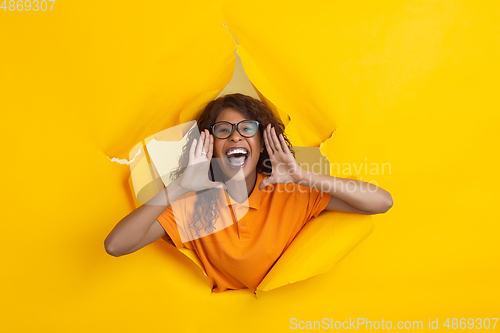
195, 177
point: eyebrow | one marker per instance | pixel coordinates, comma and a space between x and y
227, 121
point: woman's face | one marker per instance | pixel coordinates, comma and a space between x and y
223, 148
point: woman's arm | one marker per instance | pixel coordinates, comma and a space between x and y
363, 196
140, 228
132, 229
359, 194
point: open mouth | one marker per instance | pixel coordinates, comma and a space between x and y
237, 156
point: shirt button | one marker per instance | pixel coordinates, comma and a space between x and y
243, 224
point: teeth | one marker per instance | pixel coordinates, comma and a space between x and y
236, 164
237, 151
237, 161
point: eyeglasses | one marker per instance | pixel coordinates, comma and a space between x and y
224, 129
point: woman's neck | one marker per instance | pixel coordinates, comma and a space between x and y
240, 190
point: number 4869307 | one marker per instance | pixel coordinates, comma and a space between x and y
26, 5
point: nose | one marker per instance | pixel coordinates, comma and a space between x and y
235, 136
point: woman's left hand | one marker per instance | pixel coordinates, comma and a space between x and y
285, 167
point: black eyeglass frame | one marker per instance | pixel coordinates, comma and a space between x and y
232, 128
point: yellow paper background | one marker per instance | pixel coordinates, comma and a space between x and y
410, 83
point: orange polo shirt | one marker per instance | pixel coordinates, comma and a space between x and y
249, 237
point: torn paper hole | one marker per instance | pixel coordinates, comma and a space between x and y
316, 249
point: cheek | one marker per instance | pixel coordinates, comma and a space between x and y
217, 150
257, 149
258, 145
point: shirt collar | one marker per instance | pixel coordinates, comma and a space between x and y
252, 202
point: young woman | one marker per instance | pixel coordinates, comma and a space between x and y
239, 198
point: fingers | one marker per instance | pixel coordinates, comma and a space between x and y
266, 182
275, 140
283, 143
191, 150
210, 147
206, 144
199, 146
266, 142
219, 185
273, 144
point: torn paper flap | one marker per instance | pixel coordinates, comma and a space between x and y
321, 244
144, 180
165, 148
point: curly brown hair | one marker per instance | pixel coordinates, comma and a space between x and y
205, 212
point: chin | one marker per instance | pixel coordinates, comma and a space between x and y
237, 173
